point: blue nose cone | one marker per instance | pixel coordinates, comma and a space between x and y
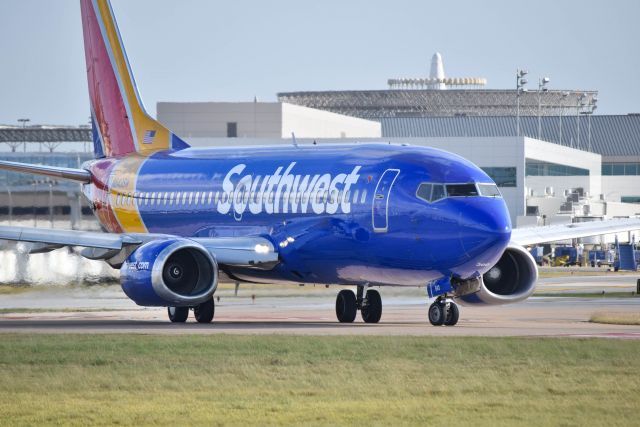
485, 229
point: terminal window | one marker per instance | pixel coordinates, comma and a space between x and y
537, 168
502, 176
232, 129
610, 169
630, 199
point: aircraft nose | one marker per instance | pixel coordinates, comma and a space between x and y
485, 228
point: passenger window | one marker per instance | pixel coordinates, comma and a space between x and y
355, 196
364, 196
462, 190
210, 196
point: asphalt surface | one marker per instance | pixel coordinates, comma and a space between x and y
309, 310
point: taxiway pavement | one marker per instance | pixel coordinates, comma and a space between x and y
311, 311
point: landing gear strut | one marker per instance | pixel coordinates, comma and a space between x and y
348, 304
443, 312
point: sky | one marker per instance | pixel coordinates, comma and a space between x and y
203, 50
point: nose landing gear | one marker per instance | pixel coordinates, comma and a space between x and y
443, 312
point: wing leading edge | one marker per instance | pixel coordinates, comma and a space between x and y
78, 175
256, 252
554, 233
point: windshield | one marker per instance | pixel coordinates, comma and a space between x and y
461, 190
489, 190
430, 192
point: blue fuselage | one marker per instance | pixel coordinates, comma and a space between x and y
345, 214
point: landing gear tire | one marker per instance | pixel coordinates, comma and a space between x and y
178, 314
204, 312
453, 314
371, 311
437, 313
346, 307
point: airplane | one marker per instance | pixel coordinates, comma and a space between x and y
178, 220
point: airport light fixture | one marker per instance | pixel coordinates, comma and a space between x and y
521, 81
24, 124
565, 95
582, 102
590, 108
542, 87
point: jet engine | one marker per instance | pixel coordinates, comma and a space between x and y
511, 280
169, 272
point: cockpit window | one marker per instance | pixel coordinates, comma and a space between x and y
430, 192
461, 190
424, 192
489, 190
438, 192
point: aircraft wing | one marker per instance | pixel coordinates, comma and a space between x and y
78, 175
114, 248
553, 233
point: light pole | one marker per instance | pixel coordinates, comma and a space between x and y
581, 103
564, 96
520, 83
592, 108
542, 87
24, 124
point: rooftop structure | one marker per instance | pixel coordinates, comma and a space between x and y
48, 137
378, 104
442, 96
615, 137
437, 79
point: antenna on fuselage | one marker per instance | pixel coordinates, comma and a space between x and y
293, 139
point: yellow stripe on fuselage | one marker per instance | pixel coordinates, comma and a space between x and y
142, 122
122, 193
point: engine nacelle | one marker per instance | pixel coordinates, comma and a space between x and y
511, 280
169, 272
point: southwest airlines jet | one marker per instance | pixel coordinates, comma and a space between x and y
178, 220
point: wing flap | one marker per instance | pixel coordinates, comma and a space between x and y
554, 233
255, 252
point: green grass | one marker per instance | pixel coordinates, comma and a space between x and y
308, 380
616, 318
561, 272
13, 289
565, 294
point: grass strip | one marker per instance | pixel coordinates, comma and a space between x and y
616, 318
311, 380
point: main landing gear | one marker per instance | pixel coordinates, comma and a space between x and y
348, 303
203, 312
443, 312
